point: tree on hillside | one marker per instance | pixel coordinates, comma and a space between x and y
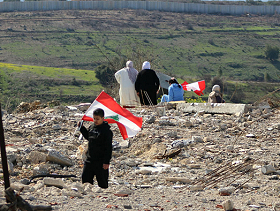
266, 77
105, 74
219, 81
272, 52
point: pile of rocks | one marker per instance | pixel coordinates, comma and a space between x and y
161, 168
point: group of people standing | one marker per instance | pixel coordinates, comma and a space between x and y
137, 88
142, 88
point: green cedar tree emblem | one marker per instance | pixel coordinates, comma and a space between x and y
116, 117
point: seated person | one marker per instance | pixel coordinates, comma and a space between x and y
175, 92
215, 96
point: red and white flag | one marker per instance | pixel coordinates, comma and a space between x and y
197, 87
128, 124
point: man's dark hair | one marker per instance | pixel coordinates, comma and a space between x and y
174, 81
98, 112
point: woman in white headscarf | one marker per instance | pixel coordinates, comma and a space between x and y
147, 85
126, 78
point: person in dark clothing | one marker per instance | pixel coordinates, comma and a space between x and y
99, 150
147, 85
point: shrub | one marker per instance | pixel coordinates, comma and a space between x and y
211, 41
105, 75
219, 81
266, 77
271, 52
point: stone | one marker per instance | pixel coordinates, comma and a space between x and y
37, 186
10, 167
177, 113
172, 134
250, 135
25, 181
77, 186
131, 162
19, 186
127, 206
178, 144
267, 169
197, 139
266, 110
201, 113
143, 171
178, 179
277, 126
226, 191
228, 205
144, 186
56, 127
57, 157
71, 193
37, 157
57, 182
40, 170
206, 139
124, 144
203, 127
165, 123
215, 108
151, 120
160, 111
194, 166
124, 191
196, 188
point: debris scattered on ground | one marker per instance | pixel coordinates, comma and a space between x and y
179, 161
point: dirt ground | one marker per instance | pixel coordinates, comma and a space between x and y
144, 175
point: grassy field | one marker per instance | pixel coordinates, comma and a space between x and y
28, 83
188, 46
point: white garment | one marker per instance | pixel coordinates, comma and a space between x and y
146, 65
127, 92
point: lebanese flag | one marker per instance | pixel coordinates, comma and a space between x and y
128, 124
197, 87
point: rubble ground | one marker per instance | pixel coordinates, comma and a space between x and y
178, 161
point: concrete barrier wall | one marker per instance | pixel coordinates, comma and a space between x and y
145, 5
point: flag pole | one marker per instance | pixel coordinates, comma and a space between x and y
78, 128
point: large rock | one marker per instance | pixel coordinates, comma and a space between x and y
37, 157
57, 182
214, 108
57, 157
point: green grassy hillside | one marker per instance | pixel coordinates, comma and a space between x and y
27, 83
188, 46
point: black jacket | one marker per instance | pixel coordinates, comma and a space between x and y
99, 142
147, 80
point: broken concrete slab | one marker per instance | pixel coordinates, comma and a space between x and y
57, 157
214, 108
53, 182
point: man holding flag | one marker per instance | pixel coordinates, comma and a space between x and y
99, 135
99, 150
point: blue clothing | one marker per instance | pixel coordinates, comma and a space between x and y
175, 93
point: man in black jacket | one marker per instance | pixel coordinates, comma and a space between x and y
147, 85
99, 151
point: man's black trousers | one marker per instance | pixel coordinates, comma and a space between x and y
95, 168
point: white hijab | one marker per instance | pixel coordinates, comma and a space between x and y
216, 88
132, 73
146, 65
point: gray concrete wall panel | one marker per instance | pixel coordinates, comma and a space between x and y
145, 5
